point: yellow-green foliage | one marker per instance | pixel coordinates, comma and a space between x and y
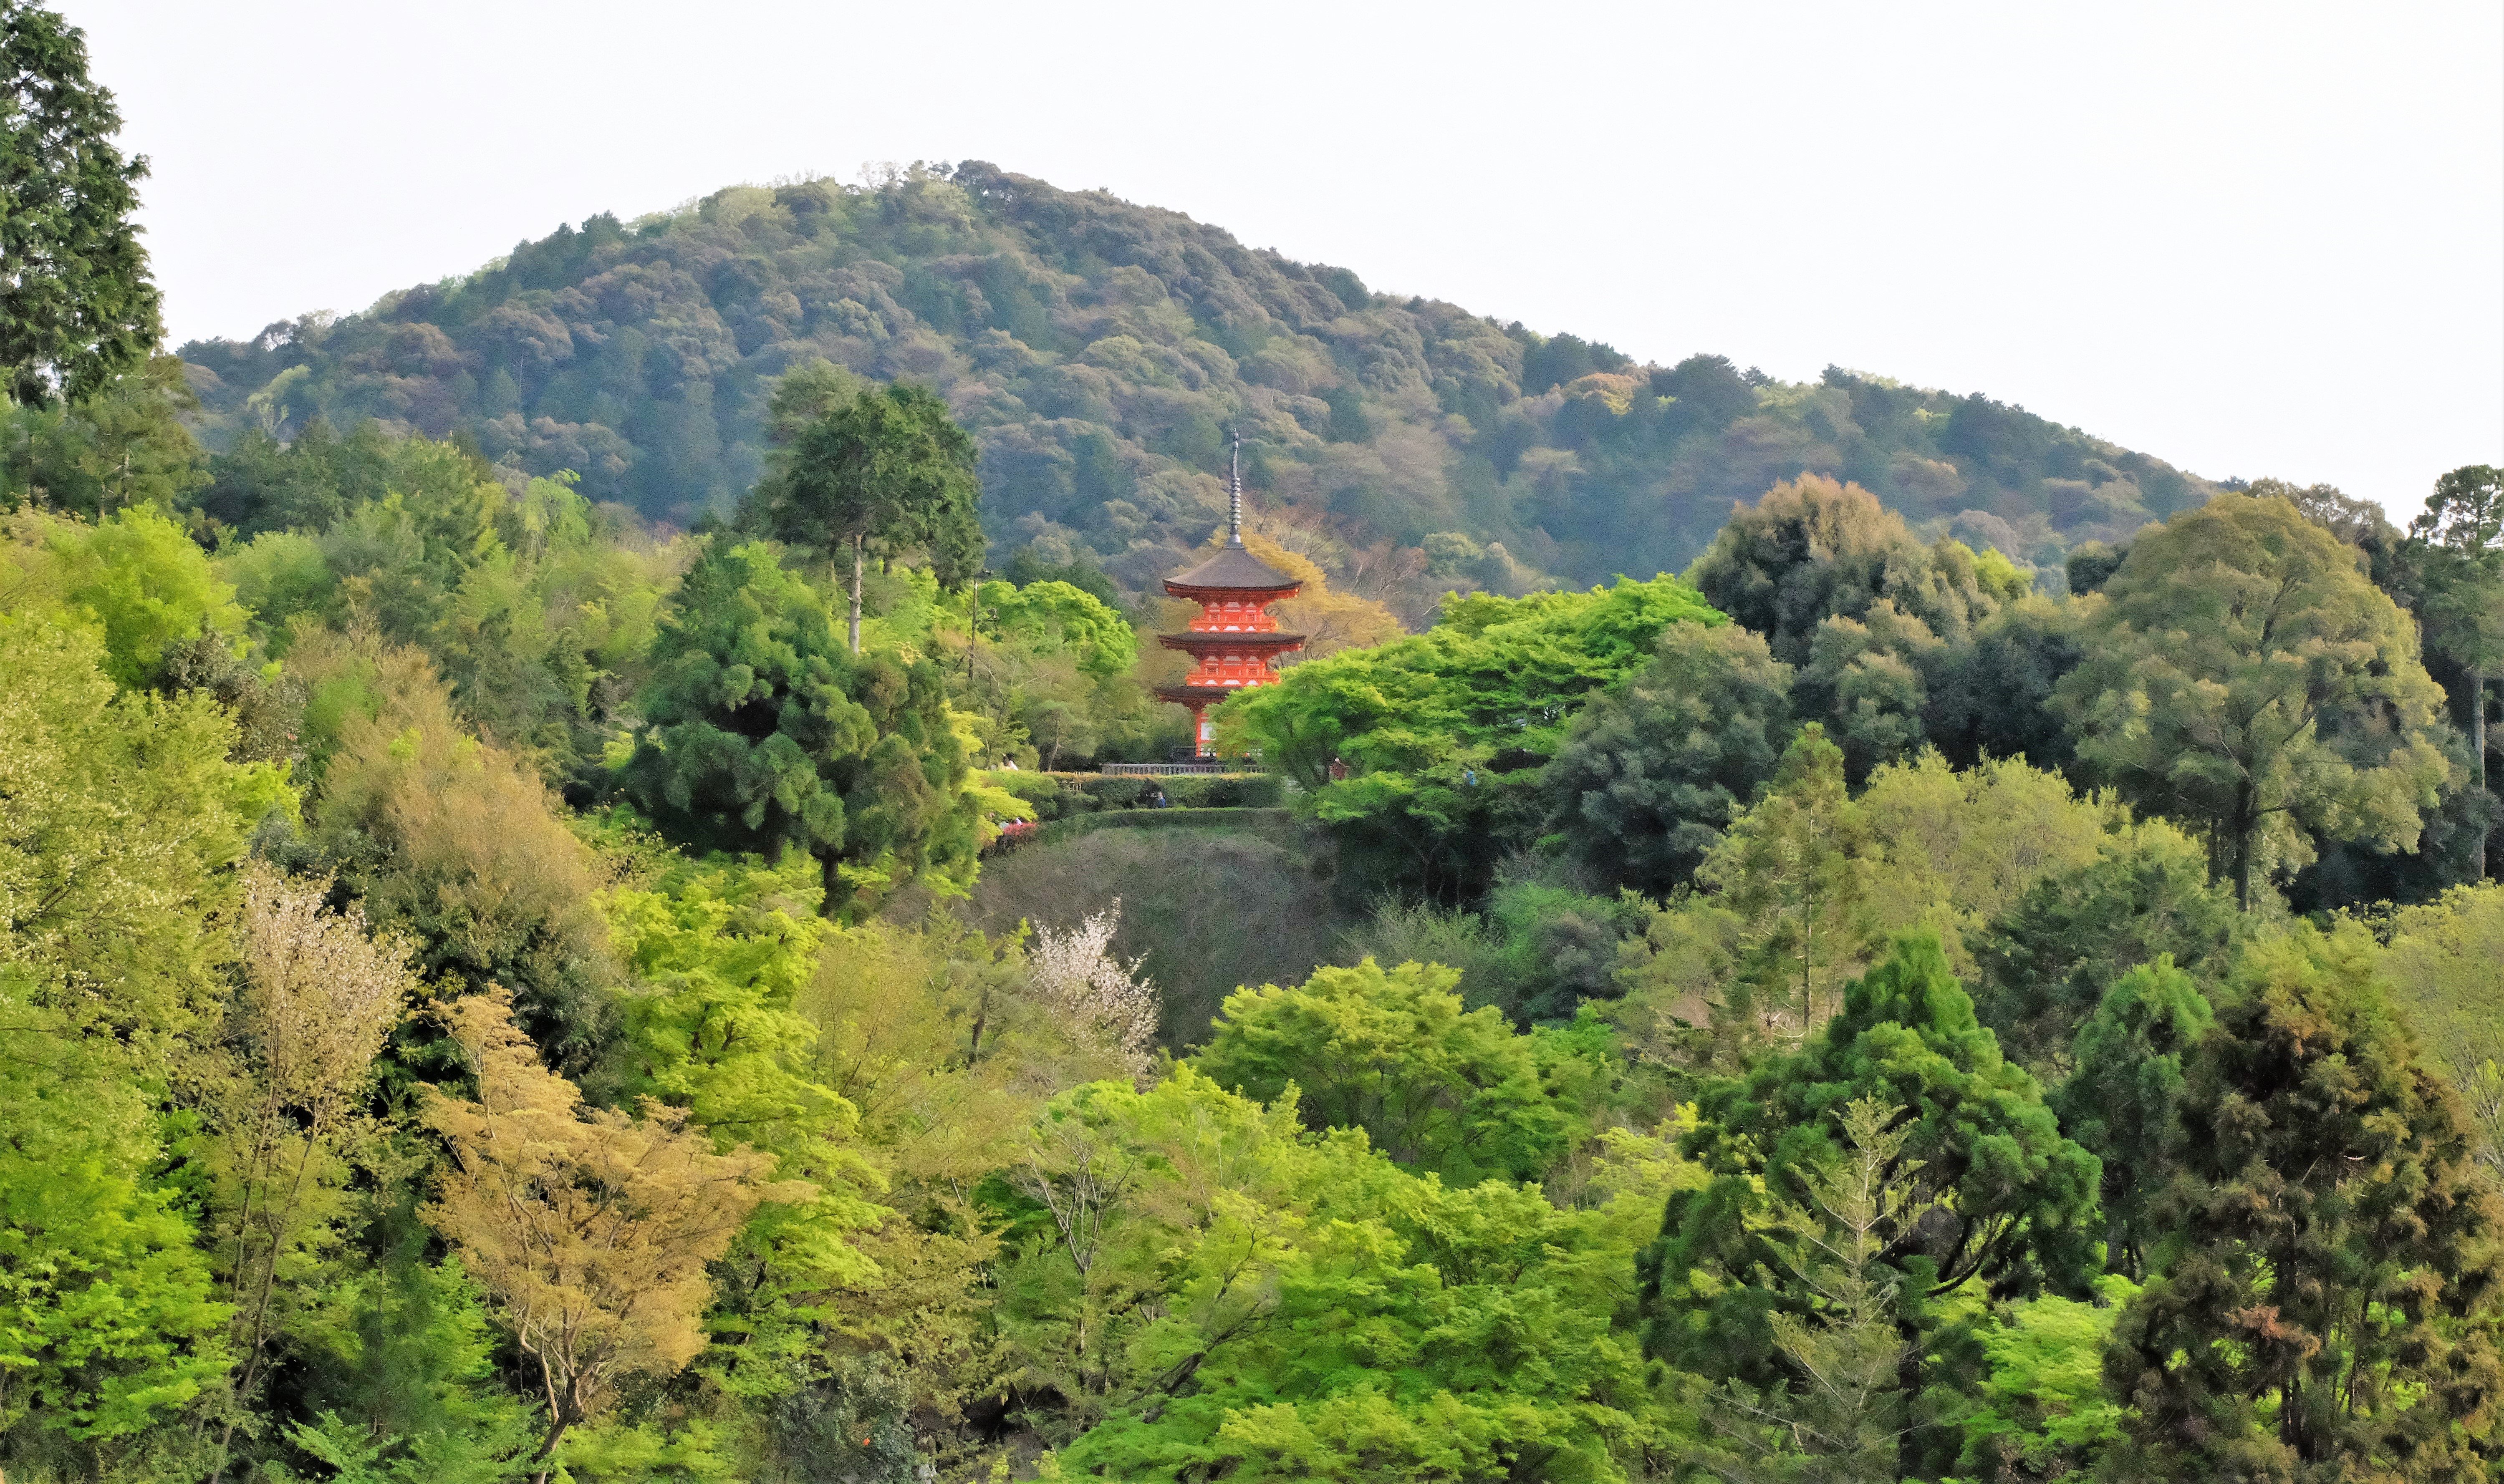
135, 578
2044, 1408
1960, 844
120, 820
1803, 892
459, 843
108, 1318
2445, 964
718, 953
1392, 1051
1228, 1292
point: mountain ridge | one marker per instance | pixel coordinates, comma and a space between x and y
1099, 350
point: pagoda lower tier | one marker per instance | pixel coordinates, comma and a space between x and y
1225, 662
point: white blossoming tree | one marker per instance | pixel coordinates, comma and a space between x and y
1076, 972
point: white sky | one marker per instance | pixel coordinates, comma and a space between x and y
2250, 238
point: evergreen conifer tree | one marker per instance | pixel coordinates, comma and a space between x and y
2326, 1301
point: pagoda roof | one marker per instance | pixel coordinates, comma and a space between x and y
1239, 639
1234, 568
1201, 695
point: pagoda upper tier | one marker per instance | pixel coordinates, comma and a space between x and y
1234, 637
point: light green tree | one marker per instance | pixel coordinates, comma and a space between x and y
134, 577
1443, 733
1393, 1052
2243, 676
719, 953
109, 1321
1842, 1415
1797, 869
121, 822
1269, 1303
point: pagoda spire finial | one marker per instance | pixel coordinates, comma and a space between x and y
1234, 497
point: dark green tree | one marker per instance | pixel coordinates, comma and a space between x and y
889, 469
2123, 1101
1876, 622
76, 304
1993, 697
1848, 1421
259, 484
2014, 1198
764, 733
2047, 962
122, 444
1814, 549
2326, 1304
2091, 565
2461, 536
1651, 777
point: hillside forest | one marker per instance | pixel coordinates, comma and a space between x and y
1100, 353
560, 919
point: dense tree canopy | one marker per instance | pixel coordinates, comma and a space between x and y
1649, 776
2461, 533
1393, 1052
2048, 959
75, 306
1441, 733
2243, 676
2015, 1196
492, 989
890, 468
1881, 628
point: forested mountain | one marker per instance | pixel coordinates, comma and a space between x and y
1099, 350
493, 989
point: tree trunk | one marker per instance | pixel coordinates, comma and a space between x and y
1908, 1387
547, 1447
561, 1415
2244, 828
2477, 746
856, 584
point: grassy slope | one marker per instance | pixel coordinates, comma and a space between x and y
1209, 909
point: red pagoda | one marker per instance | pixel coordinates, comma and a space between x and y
1235, 636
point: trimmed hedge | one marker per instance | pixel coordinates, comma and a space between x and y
1068, 795
1254, 820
